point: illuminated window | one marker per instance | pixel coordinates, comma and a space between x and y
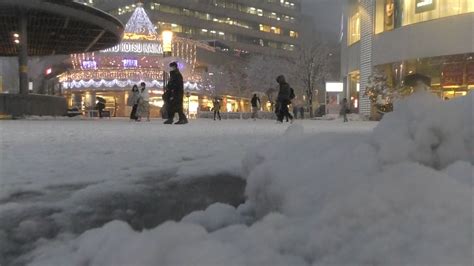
390, 14
354, 28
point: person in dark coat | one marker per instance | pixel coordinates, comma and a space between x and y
295, 110
344, 109
100, 106
216, 106
255, 106
133, 102
283, 99
176, 94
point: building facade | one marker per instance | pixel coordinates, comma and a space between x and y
400, 37
241, 26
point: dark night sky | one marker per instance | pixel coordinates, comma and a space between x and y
326, 15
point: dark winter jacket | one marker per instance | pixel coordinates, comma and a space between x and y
176, 86
255, 101
284, 92
216, 105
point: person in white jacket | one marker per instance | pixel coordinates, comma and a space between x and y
143, 103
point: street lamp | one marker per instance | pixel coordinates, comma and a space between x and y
167, 45
167, 38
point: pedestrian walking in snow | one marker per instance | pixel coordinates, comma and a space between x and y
176, 94
100, 106
133, 102
344, 110
143, 109
216, 106
255, 106
302, 112
285, 95
295, 111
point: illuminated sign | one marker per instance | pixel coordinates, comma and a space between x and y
89, 64
136, 47
130, 63
334, 86
424, 5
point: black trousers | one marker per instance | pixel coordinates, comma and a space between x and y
133, 114
174, 108
218, 113
283, 111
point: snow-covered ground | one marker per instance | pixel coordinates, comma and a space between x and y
317, 192
54, 172
40, 153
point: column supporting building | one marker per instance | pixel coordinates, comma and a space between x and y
366, 10
23, 54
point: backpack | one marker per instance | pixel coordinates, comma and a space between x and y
292, 94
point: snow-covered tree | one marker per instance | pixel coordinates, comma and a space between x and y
312, 67
382, 93
223, 79
216, 80
261, 73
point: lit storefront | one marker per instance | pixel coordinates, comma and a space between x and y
353, 84
402, 37
451, 76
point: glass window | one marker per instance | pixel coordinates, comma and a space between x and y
354, 27
392, 14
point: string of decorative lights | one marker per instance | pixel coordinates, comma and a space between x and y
119, 84
138, 58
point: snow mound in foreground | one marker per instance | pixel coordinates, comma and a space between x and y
400, 195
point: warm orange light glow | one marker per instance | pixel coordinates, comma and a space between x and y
167, 38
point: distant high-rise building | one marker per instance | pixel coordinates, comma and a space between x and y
244, 26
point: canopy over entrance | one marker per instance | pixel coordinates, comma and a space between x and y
49, 27
56, 27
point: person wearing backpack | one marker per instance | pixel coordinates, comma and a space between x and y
285, 95
255, 106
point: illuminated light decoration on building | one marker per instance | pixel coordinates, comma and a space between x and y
120, 84
140, 23
89, 64
112, 72
139, 57
136, 47
130, 63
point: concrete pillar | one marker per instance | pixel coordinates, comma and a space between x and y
23, 53
367, 11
